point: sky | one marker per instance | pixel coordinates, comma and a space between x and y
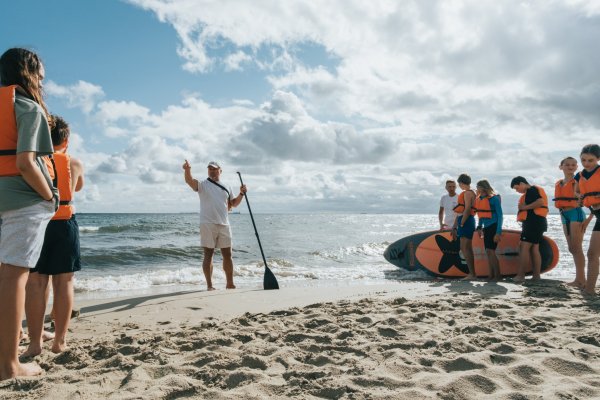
323, 106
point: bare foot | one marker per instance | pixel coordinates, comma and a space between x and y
576, 284
210, 289
59, 346
590, 291
519, 279
469, 277
47, 336
32, 351
232, 286
29, 369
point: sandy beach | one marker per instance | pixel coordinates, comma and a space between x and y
417, 340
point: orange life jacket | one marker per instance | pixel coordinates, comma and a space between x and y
542, 211
564, 196
483, 208
590, 188
9, 135
62, 162
8, 132
460, 207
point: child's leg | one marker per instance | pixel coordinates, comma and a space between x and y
593, 261
62, 285
12, 301
524, 260
35, 309
536, 261
575, 241
466, 246
494, 273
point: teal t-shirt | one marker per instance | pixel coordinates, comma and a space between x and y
33, 135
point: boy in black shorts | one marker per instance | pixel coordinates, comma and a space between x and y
533, 209
60, 256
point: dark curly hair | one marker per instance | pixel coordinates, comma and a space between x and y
60, 130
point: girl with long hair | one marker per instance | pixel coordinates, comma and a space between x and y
28, 198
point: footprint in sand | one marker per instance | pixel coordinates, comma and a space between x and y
503, 349
490, 313
566, 367
588, 340
499, 359
461, 364
528, 374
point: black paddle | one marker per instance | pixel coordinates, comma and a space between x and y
269, 280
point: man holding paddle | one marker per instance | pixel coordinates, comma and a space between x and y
215, 202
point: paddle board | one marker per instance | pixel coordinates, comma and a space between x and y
436, 253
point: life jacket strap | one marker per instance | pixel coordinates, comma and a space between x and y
8, 152
55, 180
591, 194
565, 198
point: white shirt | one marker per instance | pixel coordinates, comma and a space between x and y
213, 203
448, 203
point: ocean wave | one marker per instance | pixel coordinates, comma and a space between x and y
366, 249
87, 229
135, 255
181, 276
137, 281
135, 228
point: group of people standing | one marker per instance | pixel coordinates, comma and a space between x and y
572, 193
39, 236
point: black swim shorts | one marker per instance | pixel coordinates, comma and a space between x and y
533, 231
60, 252
488, 237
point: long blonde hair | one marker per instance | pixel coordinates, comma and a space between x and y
485, 185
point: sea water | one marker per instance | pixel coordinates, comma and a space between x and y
132, 254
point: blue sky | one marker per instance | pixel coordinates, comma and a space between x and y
324, 106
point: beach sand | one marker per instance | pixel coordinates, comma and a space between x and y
402, 340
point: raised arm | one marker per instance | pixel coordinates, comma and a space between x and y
187, 174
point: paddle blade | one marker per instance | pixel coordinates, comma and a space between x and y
269, 280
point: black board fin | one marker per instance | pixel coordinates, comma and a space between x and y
450, 255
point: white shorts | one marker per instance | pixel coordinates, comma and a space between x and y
22, 233
215, 236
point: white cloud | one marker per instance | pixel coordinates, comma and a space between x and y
233, 62
82, 95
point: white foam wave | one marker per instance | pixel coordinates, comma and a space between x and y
366, 249
87, 229
184, 276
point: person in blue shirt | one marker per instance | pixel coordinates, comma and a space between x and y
489, 226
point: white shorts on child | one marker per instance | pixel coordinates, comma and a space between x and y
22, 233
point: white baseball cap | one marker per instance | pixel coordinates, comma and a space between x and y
213, 164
